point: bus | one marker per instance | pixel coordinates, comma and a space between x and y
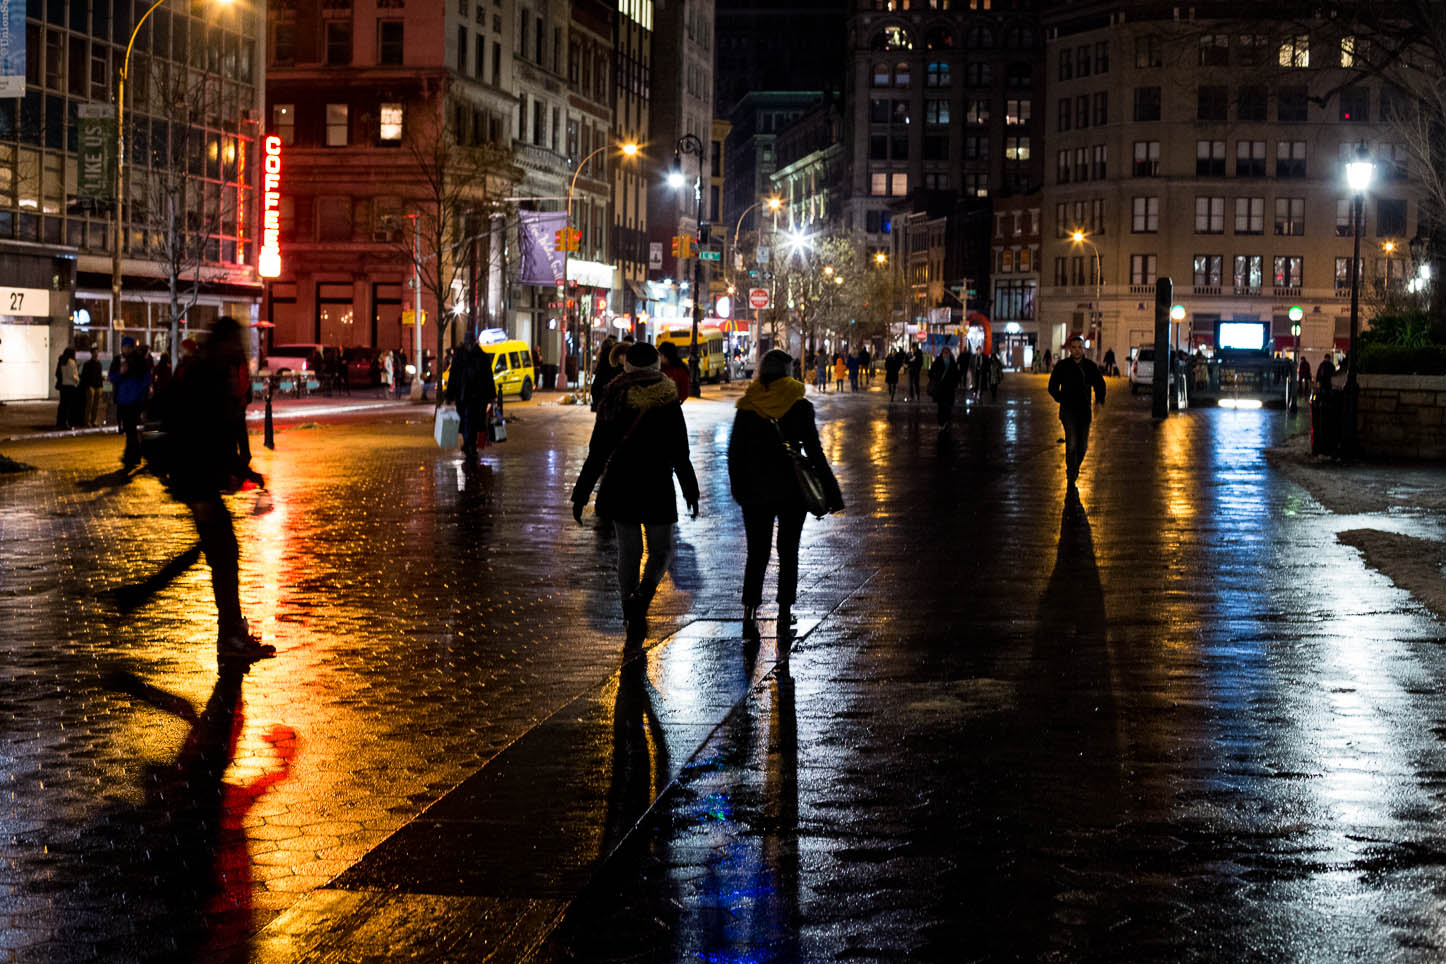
712, 361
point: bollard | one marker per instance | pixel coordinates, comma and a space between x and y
270, 441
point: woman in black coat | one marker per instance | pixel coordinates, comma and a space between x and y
764, 486
944, 385
638, 443
472, 389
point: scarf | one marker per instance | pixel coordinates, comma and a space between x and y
772, 400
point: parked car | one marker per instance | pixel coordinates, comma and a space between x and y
363, 368
292, 358
512, 368
1142, 370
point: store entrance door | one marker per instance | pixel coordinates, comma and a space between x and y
25, 362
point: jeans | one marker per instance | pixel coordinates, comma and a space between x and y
93, 398
1076, 440
218, 542
758, 524
130, 419
630, 556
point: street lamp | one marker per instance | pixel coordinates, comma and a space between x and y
120, 163
1296, 315
628, 149
690, 144
1359, 174
1097, 321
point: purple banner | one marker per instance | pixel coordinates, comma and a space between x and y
537, 237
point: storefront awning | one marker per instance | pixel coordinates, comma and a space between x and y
636, 287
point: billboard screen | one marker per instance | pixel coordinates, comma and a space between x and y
1243, 335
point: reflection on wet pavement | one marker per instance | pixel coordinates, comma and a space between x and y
1174, 717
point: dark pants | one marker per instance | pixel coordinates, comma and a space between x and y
945, 401
892, 387
758, 524
914, 386
130, 420
218, 542
71, 411
1076, 440
473, 422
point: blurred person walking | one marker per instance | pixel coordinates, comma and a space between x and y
1074, 383
92, 384
772, 413
603, 370
892, 364
944, 376
840, 371
639, 442
821, 378
916, 372
472, 389
130, 373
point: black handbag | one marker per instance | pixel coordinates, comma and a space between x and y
810, 484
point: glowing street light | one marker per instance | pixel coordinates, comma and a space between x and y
1359, 174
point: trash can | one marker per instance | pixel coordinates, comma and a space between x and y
549, 377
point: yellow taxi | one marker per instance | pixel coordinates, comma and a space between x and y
512, 367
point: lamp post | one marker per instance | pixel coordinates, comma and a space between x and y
1359, 174
690, 144
629, 149
120, 163
1097, 317
1296, 315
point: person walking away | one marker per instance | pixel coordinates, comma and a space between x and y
92, 385
1048, 361
388, 372
1072, 382
866, 367
199, 412
840, 372
944, 377
821, 378
761, 475
471, 388
130, 373
603, 370
996, 375
67, 381
854, 362
892, 364
674, 368
916, 372
1324, 373
639, 442
1110, 368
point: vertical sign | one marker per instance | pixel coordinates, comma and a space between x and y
541, 261
12, 48
95, 147
268, 265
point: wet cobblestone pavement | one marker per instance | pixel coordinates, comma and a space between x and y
1177, 720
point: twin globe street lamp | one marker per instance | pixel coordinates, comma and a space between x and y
690, 144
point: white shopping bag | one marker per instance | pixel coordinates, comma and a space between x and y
447, 426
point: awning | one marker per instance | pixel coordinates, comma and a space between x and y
636, 287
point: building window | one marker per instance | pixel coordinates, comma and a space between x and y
1082, 111
1250, 215
1208, 270
901, 74
390, 130
1145, 215
1250, 158
1390, 218
283, 122
1018, 75
976, 185
389, 45
1212, 103
937, 74
1290, 159
1343, 275
337, 127
879, 183
1101, 156
283, 44
1209, 215
976, 148
1249, 271
1066, 64
1209, 158
1290, 216
1016, 148
1291, 105
1356, 105
1252, 50
976, 112
882, 75
1097, 216
1250, 104
1142, 269
1081, 164
898, 184
1215, 50
1147, 159
936, 147
1016, 113
1288, 271
1344, 225
1295, 51
1082, 60
338, 43
1102, 57
1066, 114
1061, 275
1102, 108
1147, 52
978, 74
936, 112
1061, 174
1147, 103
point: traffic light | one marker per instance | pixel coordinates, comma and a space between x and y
687, 246
566, 239
677, 245
559, 240
574, 241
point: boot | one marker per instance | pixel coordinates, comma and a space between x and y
785, 622
635, 619
750, 623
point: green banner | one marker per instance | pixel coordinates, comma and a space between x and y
95, 146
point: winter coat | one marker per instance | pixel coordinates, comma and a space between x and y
840, 370
944, 377
681, 378
916, 363
760, 472
92, 375
199, 412
1071, 382
638, 443
470, 386
892, 364
130, 373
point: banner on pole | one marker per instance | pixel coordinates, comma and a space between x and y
12, 48
537, 237
95, 147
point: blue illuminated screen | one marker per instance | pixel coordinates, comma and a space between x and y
1248, 335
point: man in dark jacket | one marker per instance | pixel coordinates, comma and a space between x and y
639, 442
916, 372
944, 377
761, 473
1072, 382
130, 373
892, 363
471, 388
200, 412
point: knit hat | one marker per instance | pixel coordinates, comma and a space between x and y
641, 357
127, 342
776, 364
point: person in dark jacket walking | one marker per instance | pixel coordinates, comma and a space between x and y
944, 377
1072, 382
1325, 372
471, 388
639, 442
892, 364
200, 412
761, 474
603, 370
92, 384
130, 373
916, 372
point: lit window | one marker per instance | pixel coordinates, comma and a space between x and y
283, 122
1295, 51
336, 125
391, 122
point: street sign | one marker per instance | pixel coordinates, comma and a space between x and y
710, 255
758, 298
408, 316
